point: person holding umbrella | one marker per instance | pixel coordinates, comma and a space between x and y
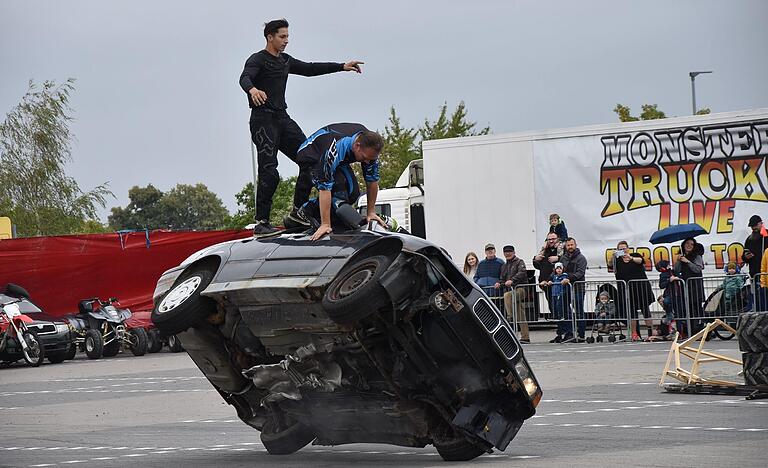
689, 267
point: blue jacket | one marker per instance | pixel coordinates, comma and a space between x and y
557, 288
488, 271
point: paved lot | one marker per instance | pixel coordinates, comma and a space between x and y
601, 407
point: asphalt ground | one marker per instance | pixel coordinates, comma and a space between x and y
602, 406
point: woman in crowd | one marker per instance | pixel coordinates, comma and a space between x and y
470, 264
689, 267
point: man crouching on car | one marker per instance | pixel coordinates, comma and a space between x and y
330, 151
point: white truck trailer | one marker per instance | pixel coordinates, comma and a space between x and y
612, 182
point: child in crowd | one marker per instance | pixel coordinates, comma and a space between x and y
557, 226
605, 311
561, 303
732, 285
672, 299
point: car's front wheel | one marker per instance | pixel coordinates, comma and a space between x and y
284, 441
459, 449
183, 306
356, 293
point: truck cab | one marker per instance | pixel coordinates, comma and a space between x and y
405, 201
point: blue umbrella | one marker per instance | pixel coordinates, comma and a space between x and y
676, 233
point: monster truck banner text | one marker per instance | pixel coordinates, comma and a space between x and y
625, 186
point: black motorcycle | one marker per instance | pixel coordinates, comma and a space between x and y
100, 327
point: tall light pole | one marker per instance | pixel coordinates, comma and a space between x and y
693, 76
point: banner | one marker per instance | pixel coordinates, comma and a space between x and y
59, 271
625, 186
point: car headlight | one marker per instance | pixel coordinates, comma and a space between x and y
62, 327
530, 385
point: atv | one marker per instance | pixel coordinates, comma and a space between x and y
101, 330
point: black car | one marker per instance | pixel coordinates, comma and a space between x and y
54, 334
360, 337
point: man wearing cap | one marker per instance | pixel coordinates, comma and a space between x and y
513, 274
488, 270
754, 248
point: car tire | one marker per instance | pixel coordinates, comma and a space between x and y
174, 344
35, 353
94, 344
139, 341
459, 450
57, 358
71, 352
154, 342
755, 368
183, 307
356, 293
753, 332
287, 441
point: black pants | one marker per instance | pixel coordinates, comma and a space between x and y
270, 132
345, 190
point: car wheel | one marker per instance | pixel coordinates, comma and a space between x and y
139, 341
154, 343
286, 441
459, 450
174, 344
94, 344
71, 352
356, 293
724, 335
56, 358
183, 307
34, 354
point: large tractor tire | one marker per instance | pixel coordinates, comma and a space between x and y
753, 332
756, 368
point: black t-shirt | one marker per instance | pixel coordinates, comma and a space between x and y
268, 73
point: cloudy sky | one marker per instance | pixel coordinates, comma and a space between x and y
157, 99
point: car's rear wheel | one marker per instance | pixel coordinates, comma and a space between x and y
356, 293
279, 441
174, 344
183, 306
459, 449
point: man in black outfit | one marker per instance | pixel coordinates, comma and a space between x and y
263, 79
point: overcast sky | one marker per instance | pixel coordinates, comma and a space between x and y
157, 97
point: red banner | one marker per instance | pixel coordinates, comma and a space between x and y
59, 271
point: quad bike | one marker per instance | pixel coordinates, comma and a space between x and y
101, 331
17, 341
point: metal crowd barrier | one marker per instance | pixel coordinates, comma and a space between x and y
529, 304
648, 302
587, 313
722, 297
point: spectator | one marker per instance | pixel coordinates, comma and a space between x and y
764, 276
732, 285
689, 267
488, 270
672, 299
549, 254
630, 269
514, 274
470, 264
561, 303
605, 312
576, 266
557, 226
754, 248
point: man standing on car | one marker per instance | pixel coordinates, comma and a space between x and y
263, 79
513, 274
576, 267
327, 154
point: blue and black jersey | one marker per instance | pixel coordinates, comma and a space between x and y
329, 150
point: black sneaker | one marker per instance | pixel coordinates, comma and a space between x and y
264, 229
557, 339
568, 339
296, 219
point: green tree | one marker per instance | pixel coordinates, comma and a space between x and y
450, 127
35, 146
282, 204
184, 207
650, 112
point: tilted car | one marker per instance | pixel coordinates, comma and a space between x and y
360, 337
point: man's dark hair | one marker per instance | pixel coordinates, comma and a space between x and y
272, 26
570, 239
369, 139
